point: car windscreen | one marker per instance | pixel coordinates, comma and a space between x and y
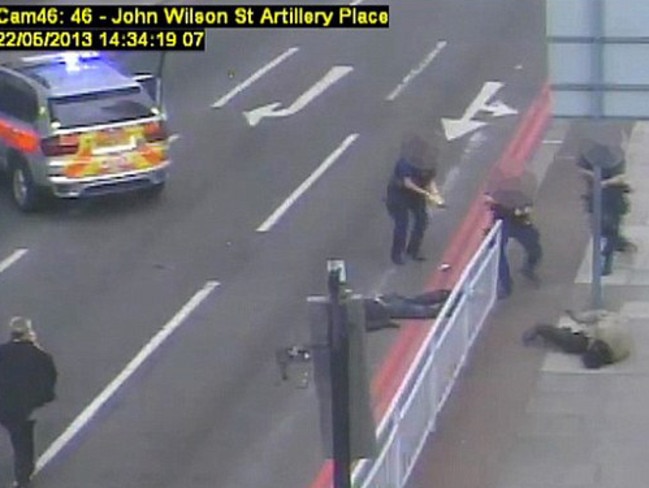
103, 107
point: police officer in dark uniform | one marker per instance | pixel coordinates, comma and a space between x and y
615, 205
410, 190
516, 224
27, 380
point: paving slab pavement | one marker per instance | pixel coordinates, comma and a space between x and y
528, 418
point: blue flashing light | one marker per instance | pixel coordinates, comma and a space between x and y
73, 60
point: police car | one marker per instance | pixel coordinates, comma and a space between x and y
73, 125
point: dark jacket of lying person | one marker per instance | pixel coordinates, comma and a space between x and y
382, 310
602, 337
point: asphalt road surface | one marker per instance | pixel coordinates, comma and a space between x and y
100, 279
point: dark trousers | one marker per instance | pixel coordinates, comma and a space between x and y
611, 240
562, 338
504, 275
401, 213
21, 433
529, 238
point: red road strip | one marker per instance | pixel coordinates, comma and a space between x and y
463, 244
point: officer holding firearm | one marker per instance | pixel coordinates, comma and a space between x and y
411, 190
513, 208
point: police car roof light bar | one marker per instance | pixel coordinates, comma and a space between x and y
67, 57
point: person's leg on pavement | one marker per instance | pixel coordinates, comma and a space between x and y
420, 217
610, 240
562, 338
607, 254
504, 275
530, 240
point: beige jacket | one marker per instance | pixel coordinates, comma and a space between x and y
609, 327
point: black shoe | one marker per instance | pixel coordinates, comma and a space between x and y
415, 256
531, 275
625, 246
398, 260
529, 337
23, 484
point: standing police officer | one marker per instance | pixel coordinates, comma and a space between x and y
27, 380
410, 191
615, 203
513, 209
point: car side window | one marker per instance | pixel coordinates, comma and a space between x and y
18, 99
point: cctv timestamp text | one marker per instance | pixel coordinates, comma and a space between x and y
103, 39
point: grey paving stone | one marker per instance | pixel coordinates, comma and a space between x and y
550, 461
541, 423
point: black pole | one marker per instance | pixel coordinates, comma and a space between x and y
596, 288
339, 368
597, 21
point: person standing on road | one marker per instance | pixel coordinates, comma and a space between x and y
27, 381
411, 190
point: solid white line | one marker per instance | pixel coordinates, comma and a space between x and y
415, 72
254, 77
11, 259
91, 410
552, 141
279, 211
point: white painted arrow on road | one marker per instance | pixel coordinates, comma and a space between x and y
456, 128
336, 73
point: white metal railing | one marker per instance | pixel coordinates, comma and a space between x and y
429, 381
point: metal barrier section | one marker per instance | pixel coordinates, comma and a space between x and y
428, 383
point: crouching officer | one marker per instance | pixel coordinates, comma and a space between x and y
411, 190
27, 381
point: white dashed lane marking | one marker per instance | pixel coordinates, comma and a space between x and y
11, 259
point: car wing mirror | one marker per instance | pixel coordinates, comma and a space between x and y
152, 85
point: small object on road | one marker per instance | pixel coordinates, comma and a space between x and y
444, 267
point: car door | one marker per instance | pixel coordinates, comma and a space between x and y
18, 115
